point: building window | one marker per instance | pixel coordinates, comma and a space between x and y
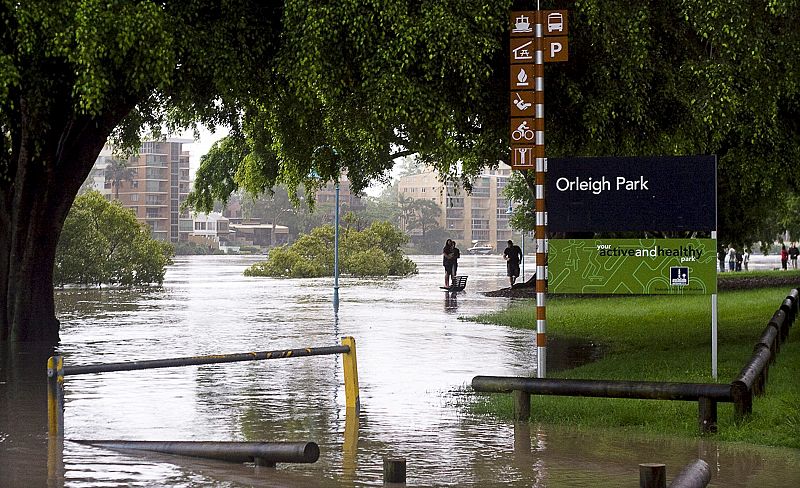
134, 197
480, 235
455, 202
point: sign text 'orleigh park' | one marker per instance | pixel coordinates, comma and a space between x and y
608, 194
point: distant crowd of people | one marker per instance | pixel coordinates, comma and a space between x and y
737, 260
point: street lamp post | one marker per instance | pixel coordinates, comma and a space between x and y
336, 254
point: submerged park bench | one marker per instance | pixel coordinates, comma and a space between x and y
751, 380
458, 284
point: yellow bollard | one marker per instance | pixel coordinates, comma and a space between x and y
55, 396
352, 399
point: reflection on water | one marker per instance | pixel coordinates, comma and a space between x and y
451, 301
414, 359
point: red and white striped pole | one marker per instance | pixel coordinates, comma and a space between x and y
541, 214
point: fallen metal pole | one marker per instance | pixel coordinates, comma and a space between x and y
696, 474
647, 390
262, 453
198, 360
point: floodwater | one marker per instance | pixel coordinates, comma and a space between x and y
416, 359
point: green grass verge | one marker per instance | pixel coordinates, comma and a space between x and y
665, 338
765, 273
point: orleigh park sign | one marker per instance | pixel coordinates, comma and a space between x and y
632, 194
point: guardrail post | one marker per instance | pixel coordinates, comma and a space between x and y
652, 475
742, 400
55, 396
522, 405
707, 415
352, 399
394, 470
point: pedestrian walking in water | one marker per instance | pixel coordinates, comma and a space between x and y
513, 256
447, 262
456, 254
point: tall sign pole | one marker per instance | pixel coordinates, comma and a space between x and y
536, 37
541, 213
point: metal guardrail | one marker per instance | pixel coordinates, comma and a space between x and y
705, 394
751, 380
56, 371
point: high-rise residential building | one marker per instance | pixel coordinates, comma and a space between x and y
154, 186
479, 217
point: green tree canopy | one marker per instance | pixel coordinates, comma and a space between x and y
311, 89
103, 243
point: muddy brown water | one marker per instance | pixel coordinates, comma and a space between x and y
415, 360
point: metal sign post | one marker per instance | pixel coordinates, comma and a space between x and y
529, 50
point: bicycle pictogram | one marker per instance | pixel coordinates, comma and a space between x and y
523, 132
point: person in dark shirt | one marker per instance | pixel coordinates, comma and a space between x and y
447, 261
456, 255
793, 253
513, 256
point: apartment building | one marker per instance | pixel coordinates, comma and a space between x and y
480, 217
154, 188
348, 201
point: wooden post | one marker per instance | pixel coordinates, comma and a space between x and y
352, 399
522, 405
55, 396
707, 415
394, 470
652, 475
742, 400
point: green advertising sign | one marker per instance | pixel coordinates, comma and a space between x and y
632, 266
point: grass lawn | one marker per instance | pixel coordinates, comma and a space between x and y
665, 338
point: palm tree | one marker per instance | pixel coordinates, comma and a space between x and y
406, 211
117, 172
425, 216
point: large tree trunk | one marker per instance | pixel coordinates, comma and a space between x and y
52, 154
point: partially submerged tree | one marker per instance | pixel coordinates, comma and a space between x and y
374, 251
102, 243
